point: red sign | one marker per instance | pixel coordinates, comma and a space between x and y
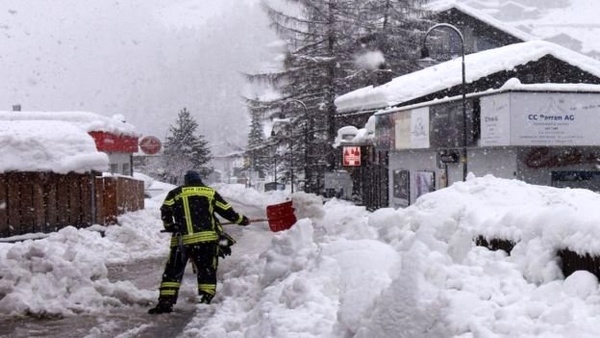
109, 142
150, 145
351, 157
544, 158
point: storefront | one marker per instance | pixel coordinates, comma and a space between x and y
545, 134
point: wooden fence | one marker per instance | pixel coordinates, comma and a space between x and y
33, 202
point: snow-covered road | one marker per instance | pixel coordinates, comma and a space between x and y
132, 320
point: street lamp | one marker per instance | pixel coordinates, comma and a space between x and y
291, 135
425, 54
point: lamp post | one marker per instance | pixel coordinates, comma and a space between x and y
425, 54
291, 135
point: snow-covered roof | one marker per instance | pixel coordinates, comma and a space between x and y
55, 146
88, 121
516, 85
579, 21
573, 25
444, 5
513, 84
448, 74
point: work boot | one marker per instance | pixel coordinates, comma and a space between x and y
162, 307
205, 298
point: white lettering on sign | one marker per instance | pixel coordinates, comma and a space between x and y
351, 156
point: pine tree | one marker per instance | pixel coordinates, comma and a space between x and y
309, 75
324, 42
184, 149
395, 28
257, 152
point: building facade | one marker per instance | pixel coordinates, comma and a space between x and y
540, 134
420, 116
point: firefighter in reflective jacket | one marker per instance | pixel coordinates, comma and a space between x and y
188, 213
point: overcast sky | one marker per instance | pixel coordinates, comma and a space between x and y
145, 59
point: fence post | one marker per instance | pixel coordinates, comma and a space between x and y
51, 202
4, 231
110, 200
13, 204
39, 214
99, 198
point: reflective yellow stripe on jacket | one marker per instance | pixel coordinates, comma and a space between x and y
191, 237
198, 237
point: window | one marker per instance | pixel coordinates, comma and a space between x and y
126, 169
446, 121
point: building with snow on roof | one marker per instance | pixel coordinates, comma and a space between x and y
532, 111
51, 166
572, 24
111, 135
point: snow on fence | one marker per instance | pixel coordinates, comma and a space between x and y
33, 202
570, 261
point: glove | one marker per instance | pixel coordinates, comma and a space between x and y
245, 221
224, 251
225, 243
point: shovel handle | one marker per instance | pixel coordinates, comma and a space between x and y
227, 223
251, 221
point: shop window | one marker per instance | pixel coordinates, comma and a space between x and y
425, 182
576, 179
447, 124
126, 169
384, 132
476, 124
401, 188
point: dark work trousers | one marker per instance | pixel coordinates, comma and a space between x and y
204, 257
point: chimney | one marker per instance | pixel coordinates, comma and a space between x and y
382, 75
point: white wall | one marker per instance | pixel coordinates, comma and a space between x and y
413, 161
500, 162
119, 163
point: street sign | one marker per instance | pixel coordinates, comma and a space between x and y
351, 157
150, 145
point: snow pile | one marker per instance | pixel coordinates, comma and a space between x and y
342, 271
66, 273
416, 272
54, 146
87, 121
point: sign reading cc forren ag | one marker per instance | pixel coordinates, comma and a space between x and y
150, 145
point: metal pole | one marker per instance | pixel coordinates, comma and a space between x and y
464, 110
306, 150
464, 155
275, 166
291, 164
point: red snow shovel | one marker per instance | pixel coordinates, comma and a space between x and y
280, 216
